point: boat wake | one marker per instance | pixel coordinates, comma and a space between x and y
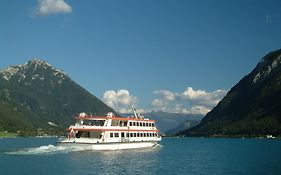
44, 150
158, 146
58, 149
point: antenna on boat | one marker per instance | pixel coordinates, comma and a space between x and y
134, 111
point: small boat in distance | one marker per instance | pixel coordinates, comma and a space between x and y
112, 133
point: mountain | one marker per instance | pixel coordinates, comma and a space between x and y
36, 96
182, 126
168, 122
251, 108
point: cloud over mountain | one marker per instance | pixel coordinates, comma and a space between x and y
190, 101
51, 7
120, 100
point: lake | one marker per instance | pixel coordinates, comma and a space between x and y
33, 156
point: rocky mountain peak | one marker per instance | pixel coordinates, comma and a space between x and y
38, 62
8, 72
267, 64
35, 67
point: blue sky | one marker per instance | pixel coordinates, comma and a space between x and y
174, 56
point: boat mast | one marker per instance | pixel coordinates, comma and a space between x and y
134, 111
136, 115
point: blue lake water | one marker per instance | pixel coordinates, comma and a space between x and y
194, 156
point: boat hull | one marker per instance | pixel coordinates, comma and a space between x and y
108, 146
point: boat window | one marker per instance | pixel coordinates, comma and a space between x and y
79, 133
115, 123
127, 134
85, 134
98, 122
125, 123
122, 123
130, 123
86, 122
122, 134
111, 135
134, 123
135, 134
131, 134
149, 124
95, 134
116, 134
153, 124
138, 124
94, 122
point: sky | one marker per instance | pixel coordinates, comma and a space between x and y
178, 56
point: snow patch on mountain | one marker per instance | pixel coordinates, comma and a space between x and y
8, 72
33, 64
36, 76
268, 69
52, 124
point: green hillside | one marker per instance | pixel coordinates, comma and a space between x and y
34, 94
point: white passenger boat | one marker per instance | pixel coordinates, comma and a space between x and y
112, 133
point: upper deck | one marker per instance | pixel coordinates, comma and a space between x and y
110, 122
84, 116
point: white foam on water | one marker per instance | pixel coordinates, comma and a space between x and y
158, 146
58, 149
46, 149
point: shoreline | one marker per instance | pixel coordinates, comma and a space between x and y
4, 134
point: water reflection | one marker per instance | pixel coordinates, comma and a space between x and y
134, 161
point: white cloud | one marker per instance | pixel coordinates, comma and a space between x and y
166, 94
120, 100
51, 7
190, 101
158, 103
202, 97
189, 93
